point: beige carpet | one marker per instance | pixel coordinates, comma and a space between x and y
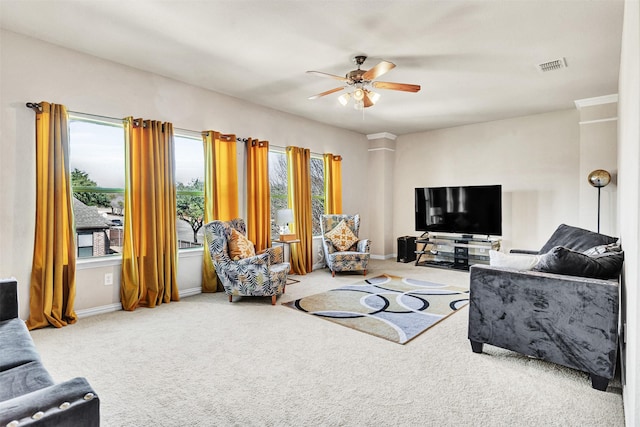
207, 362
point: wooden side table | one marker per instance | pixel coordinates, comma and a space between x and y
288, 243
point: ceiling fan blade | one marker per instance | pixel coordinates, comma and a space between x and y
381, 68
329, 92
332, 76
396, 86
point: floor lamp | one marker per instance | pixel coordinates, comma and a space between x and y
599, 178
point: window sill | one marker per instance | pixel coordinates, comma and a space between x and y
103, 261
115, 260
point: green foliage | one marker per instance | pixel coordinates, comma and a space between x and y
81, 179
190, 205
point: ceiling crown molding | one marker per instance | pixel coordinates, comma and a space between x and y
598, 100
382, 135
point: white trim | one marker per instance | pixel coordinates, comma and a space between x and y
118, 306
588, 122
382, 135
97, 262
190, 292
598, 100
98, 310
318, 266
191, 252
383, 257
382, 149
186, 133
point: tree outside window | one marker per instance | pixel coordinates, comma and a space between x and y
189, 157
279, 195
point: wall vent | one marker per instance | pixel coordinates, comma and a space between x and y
556, 64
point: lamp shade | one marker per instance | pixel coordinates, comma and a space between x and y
284, 216
599, 178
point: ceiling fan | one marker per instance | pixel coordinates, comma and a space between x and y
359, 81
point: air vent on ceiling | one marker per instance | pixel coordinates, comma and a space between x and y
556, 64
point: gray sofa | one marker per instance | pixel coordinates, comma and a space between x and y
28, 394
553, 312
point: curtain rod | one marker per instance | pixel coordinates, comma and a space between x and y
37, 106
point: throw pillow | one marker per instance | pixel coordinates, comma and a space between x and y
596, 250
516, 261
575, 238
239, 246
341, 237
562, 260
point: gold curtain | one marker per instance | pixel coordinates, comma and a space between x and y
258, 194
150, 253
53, 272
220, 192
299, 189
332, 184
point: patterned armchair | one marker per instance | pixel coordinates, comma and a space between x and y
264, 274
343, 250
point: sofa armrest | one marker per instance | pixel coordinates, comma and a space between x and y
8, 299
68, 404
523, 251
572, 321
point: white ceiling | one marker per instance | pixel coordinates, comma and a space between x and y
475, 60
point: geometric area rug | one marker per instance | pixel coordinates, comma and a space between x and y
390, 307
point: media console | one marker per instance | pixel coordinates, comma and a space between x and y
457, 252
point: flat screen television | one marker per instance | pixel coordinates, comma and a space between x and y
467, 210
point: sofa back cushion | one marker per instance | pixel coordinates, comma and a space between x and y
561, 260
576, 239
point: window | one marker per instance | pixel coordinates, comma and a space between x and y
189, 157
278, 188
317, 193
85, 244
96, 151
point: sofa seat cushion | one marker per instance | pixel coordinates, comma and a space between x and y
561, 260
576, 239
16, 346
23, 379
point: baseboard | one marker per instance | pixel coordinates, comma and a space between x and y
318, 266
190, 292
117, 306
98, 310
383, 257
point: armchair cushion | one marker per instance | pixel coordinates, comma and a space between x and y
341, 237
561, 260
239, 246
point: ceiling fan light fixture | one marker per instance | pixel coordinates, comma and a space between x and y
358, 94
344, 99
373, 96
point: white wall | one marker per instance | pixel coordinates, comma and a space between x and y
32, 70
534, 158
629, 206
598, 150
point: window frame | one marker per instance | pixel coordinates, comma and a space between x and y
196, 136
74, 116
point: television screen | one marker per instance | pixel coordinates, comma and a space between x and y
467, 210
